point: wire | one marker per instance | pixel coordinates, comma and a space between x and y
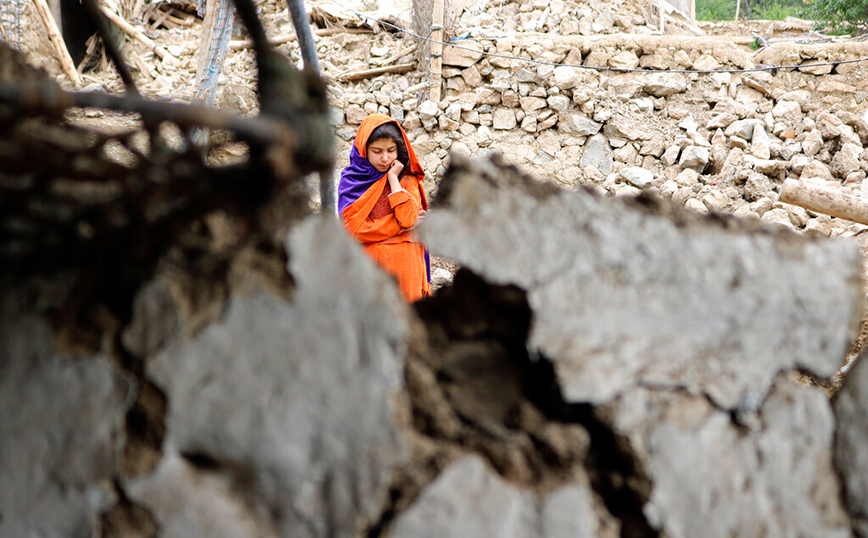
594, 67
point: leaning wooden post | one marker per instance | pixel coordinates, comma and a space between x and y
737, 7
57, 40
823, 200
436, 51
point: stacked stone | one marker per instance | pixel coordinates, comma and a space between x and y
719, 141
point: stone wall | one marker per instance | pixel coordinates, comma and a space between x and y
713, 142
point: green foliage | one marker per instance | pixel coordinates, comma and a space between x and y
772, 10
776, 11
715, 10
838, 16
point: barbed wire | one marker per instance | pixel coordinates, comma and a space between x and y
593, 67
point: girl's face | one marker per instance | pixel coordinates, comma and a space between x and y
382, 153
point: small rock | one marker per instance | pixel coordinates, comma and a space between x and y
760, 143
740, 128
504, 119
637, 176
549, 143
624, 60
721, 121
789, 112
597, 154
355, 114
778, 216
462, 57
670, 156
558, 103
694, 157
564, 77
578, 124
695, 205
664, 84
813, 143
715, 201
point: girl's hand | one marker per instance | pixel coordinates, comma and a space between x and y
395, 169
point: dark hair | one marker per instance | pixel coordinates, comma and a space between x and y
391, 131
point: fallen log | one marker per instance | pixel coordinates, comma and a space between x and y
823, 200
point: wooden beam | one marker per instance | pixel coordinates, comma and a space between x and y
367, 73
136, 34
57, 40
823, 200
247, 44
434, 92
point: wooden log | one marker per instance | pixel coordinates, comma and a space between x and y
823, 200
57, 40
436, 66
136, 34
367, 73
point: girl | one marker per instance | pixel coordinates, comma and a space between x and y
381, 201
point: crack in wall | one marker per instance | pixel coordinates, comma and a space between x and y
474, 389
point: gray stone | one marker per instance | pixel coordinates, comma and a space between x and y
789, 112
715, 201
851, 449
670, 156
262, 393
625, 60
664, 84
462, 57
559, 103
564, 77
428, 110
549, 143
760, 144
597, 154
721, 121
637, 176
815, 67
846, 160
757, 186
529, 104
61, 419
813, 143
694, 157
661, 305
740, 128
355, 114
504, 119
578, 124
761, 81
714, 478
815, 168
470, 499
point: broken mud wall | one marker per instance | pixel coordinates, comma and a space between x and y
600, 368
717, 141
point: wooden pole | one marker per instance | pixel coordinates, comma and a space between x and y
434, 92
692, 10
57, 40
247, 44
136, 34
823, 200
737, 7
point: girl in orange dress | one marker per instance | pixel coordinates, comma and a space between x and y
381, 201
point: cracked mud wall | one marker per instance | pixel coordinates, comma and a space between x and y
598, 368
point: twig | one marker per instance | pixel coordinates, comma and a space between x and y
367, 73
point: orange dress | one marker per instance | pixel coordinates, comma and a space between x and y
380, 220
